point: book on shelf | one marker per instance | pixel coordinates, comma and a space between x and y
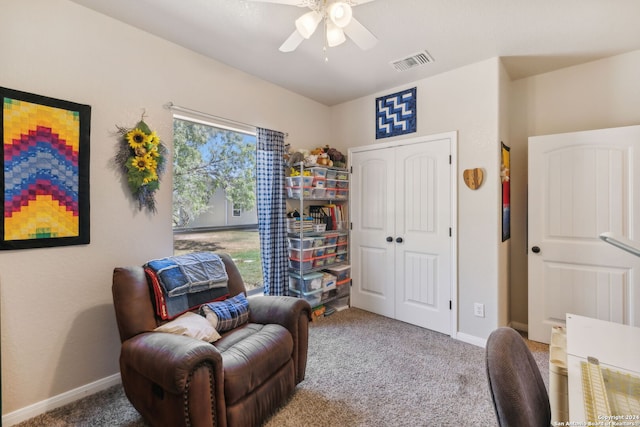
336, 215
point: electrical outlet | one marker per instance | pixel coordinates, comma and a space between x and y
478, 309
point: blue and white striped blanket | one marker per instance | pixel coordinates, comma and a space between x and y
189, 273
181, 283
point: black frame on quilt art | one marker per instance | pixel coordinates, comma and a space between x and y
45, 178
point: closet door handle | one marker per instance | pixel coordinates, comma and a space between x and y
399, 240
389, 239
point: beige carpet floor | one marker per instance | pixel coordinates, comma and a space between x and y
363, 370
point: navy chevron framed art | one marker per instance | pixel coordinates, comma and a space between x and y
45, 174
396, 114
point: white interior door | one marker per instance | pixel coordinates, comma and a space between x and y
422, 224
373, 221
580, 185
401, 249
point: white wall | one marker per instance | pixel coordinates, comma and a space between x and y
504, 250
58, 326
595, 95
463, 100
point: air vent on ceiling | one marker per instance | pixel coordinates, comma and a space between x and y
415, 60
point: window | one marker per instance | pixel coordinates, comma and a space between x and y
214, 193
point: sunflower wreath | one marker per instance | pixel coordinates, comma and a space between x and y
141, 156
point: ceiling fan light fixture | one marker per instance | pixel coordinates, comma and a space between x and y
335, 35
340, 13
338, 21
307, 23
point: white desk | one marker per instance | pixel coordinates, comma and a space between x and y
616, 346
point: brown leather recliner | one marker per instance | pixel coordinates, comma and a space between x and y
239, 380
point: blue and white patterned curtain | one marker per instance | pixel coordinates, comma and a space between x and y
272, 210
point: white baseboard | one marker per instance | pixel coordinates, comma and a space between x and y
470, 339
522, 327
62, 399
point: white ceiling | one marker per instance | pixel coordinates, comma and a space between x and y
532, 36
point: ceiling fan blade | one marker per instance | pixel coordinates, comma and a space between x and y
292, 42
360, 35
299, 3
359, 2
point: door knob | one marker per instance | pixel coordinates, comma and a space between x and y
389, 239
535, 250
399, 240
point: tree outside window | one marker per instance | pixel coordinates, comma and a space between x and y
207, 159
214, 173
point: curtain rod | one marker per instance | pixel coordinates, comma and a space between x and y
246, 126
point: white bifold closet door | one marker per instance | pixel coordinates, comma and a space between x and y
400, 239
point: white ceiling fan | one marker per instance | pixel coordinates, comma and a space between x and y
338, 20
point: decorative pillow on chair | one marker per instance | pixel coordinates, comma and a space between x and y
191, 325
228, 314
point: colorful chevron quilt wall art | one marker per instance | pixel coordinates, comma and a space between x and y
45, 171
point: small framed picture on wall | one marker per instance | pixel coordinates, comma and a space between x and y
505, 178
396, 114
